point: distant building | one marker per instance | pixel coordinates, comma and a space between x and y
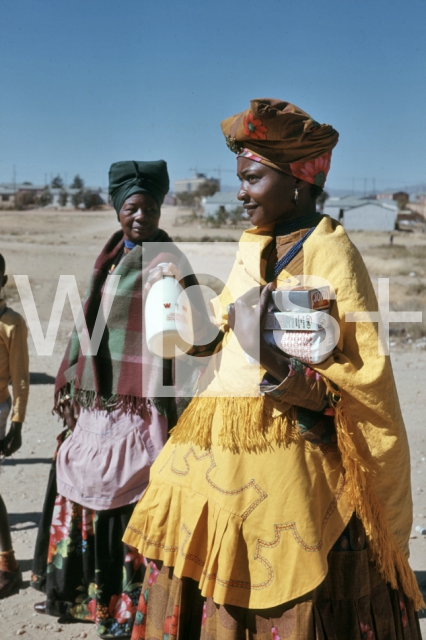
358, 214
100, 196
335, 207
23, 186
225, 201
198, 180
390, 195
10, 190
11, 194
384, 196
399, 195
410, 221
7, 197
417, 207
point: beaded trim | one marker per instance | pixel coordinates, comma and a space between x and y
233, 145
284, 228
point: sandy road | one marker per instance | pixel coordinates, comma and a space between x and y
45, 245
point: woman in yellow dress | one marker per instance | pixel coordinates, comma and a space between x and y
281, 505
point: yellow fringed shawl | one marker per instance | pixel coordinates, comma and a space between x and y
239, 502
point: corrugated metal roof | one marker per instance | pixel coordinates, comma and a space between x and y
20, 185
350, 202
223, 197
345, 202
37, 187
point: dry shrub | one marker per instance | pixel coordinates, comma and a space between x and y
377, 266
414, 330
417, 289
392, 260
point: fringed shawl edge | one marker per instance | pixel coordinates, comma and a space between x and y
248, 424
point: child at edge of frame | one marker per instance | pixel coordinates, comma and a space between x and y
14, 370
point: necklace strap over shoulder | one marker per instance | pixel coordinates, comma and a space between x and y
288, 257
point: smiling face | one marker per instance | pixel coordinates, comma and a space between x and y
139, 217
267, 194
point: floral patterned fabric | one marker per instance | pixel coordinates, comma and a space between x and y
353, 603
83, 567
254, 127
313, 171
282, 136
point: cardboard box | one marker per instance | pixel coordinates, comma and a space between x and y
291, 321
302, 298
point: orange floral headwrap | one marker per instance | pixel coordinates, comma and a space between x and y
284, 137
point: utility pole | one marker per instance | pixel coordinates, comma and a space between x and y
14, 178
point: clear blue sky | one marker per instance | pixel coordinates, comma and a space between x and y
87, 82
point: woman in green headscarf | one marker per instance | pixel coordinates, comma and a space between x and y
117, 421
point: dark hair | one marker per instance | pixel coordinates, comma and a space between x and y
316, 191
2, 264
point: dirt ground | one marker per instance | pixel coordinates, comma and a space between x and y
45, 244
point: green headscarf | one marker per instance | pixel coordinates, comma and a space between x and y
129, 177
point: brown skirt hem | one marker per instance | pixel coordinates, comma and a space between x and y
352, 603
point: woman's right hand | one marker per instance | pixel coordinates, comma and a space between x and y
158, 272
13, 440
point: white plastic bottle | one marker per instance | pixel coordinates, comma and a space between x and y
168, 318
